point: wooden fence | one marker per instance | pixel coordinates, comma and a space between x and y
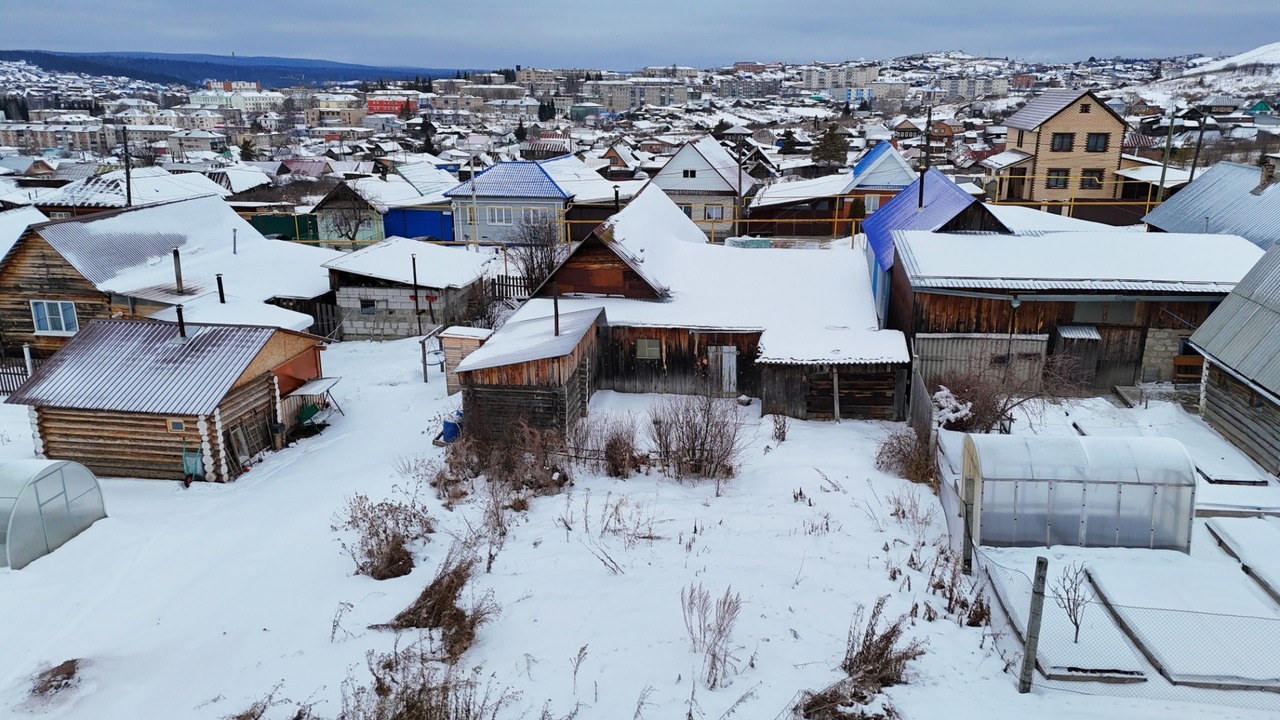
920, 404
328, 322
508, 287
13, 372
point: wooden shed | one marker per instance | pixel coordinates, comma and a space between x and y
147, 399
541, 371
457, 343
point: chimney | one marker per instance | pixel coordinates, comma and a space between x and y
182, 325
1268, 177
222, 294
177, 271
555, 306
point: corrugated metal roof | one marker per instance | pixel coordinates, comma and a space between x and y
1221, 200
1002, 160
1243, 333
517, 178
943, 200
143, 366
1079, 332
1048, 104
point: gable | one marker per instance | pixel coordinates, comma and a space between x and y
279, 349
33, 266
594, 268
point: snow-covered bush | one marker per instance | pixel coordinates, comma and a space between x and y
697, 436
904, 453
876, 657
384, 530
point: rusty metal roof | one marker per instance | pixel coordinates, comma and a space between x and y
144, 367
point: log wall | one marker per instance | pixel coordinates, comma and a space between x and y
118, 444
35, 271
1250, 422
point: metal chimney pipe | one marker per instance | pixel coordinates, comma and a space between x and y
182, 325
222, 294
177, 271
555, 306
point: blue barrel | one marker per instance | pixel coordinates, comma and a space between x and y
452, 427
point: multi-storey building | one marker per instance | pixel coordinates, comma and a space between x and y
739, 87
972, 87
88, 136
619, 95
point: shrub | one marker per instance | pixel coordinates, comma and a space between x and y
54, 680
697, 435
906, 454
384, 530
407, 684
781, 423
619, 447
844, 700
876, 657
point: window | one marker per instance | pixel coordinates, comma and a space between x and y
871, 203
535, 216
687, 210
1057, 178
176, 426
498, 215
54, 318
1062, 142
713, 212
1021, 137
690, 173
1085, 108
368, 307
1091, 179
648, 349
59, 215
1097, 142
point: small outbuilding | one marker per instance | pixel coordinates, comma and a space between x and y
1031, 491
43, 504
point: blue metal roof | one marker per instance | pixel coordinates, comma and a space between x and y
943, 200
519, 178
870, 158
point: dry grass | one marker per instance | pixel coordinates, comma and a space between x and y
56, 679
907, 455
843, 700
407, 684
876, 657
710, 627
439, 605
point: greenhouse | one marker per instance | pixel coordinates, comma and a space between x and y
43, 504
1028, 491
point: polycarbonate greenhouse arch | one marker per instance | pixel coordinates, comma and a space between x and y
43, 504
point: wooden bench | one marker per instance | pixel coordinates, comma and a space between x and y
1187, 369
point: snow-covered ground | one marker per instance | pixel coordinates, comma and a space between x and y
193, 603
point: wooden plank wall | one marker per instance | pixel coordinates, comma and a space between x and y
595, 268
118, 444
36, 271
1229, 408
249, 408
807, 392
682, 368
493, 410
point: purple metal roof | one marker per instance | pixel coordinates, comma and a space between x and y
520, 178
943, 200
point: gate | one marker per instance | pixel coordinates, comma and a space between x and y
1119, 356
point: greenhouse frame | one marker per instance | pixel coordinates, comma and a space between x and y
43, 504
1030, 491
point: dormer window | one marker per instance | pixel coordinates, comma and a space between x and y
1085, 108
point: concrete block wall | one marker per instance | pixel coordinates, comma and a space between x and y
394, 316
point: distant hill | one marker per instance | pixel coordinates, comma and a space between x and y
192, 69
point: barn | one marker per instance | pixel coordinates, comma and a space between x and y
795, 328
150, 399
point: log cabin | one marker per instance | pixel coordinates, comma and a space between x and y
128, 398
131, 263
794, 328
1114, 306
1240, 395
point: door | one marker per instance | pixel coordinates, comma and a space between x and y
722, 366
1119, 356
1015, 186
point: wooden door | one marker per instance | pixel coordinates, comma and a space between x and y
722, 367
1119, 356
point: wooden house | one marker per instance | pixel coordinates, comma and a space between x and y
128, 398
111, 191
130, 263
1123, 302
1240, 341
402, 288
793, 327
831, 205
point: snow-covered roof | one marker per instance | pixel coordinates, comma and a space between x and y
239, 179
1002, 160
13, 223
581, 182
1077, 261
129, 252
426, 177
811, 306
1118, 460
1222, 199
1023, 219
207, 308
520, 341
393, 260
782, 193
384, 193
149, 185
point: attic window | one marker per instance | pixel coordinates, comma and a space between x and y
690, 173
1085, 108
176, 426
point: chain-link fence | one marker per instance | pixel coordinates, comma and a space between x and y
1093, 639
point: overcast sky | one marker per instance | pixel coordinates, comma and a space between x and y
626, 35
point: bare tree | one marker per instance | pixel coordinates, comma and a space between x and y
347, 214
536, 249
1071, 593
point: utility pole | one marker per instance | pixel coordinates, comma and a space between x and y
1168, 150
928, 137
128, 169
1199, 143
475, 211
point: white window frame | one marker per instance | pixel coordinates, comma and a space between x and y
713, 212
536, 216
649, 348
61, 316
498, 215
870, 203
